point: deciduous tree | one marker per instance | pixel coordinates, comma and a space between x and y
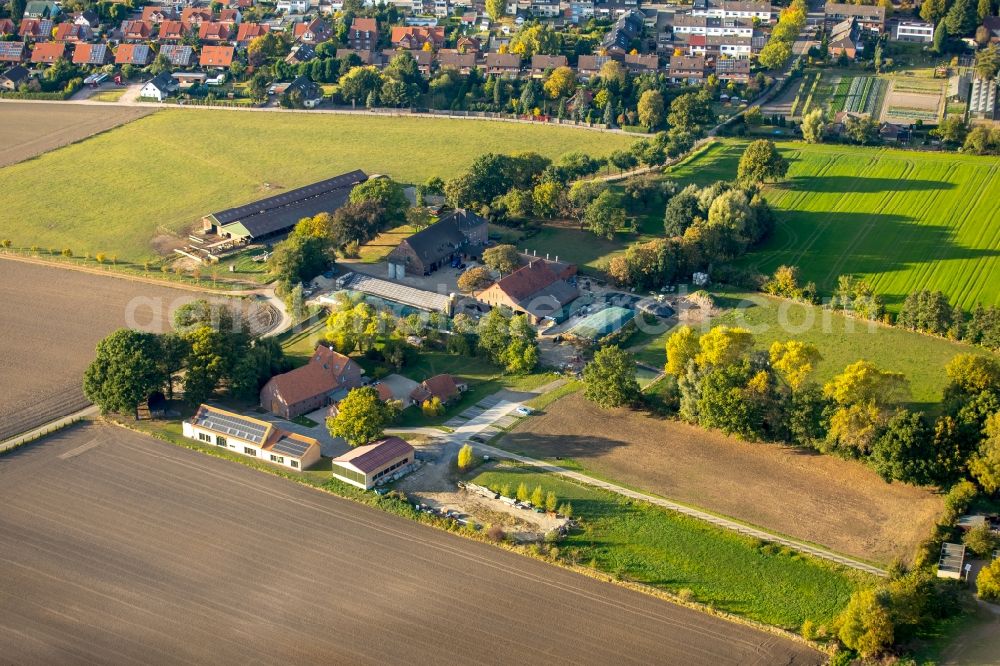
361, 417
124, 372
609, 379
761, 162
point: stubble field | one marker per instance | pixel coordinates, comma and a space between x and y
52, 321
836, 503
29, 129
161, 174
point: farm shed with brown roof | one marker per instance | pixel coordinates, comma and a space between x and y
369, 465
325, 379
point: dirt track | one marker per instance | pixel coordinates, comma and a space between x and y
118, 548
835, 503
28, 130
51, 322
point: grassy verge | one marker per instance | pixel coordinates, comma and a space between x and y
646, 544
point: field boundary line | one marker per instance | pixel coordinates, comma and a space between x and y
46, 429
713, 519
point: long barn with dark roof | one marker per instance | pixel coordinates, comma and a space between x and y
278, 214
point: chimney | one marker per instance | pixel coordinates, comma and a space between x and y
536, 253
546, 256
557, 257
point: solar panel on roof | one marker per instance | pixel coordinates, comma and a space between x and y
233, 425
291, 447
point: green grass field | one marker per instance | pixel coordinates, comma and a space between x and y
841, 340
647, 544
115, 192
903, 220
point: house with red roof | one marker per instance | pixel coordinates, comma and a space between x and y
157, 14
314, 32
414, 37
134, 54
217, 56
363, 35
324, 380
136, 31
96, 55
171, 32
250, 31
47, 53
213, 32
539, 289
195, 16
39, 30
7, 27
72, 32
13, 52
443, 387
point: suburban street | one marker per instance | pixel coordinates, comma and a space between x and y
121, 548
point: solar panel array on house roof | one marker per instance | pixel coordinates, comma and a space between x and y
236, 426
11, 51
290, 447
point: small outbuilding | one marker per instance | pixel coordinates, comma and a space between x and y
368, 466
951, 561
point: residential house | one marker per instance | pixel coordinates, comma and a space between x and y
41, 9
13, 52
363, 35
733, 69
376, 58
294, 6
314, 32
13, 77
252, 437
504, 65
71, 32
136, 31
7, 27
95, 55
159, 87
869, 17
545, 8
39, 30
250, 31
704, 25
735, 9
178, 55
626, 30
638, 63
301, 53
220, 57
914, 31
435, 246
424, 59
310, 93
442, 387
214, 32
157, 14
845, 39
193, 17
590, 65
369, 465
171, 32
463, 62
466, 44
187, 80
326, 379
614, 8
580, 11
540, 64
538, 289
231, 16
139, 55
88, 18
414, 37
687, 69
47, 53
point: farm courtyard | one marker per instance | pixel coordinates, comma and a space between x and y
903, 220
836, 503
141, 186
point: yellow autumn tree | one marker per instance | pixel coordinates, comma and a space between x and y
794, 361
724, 345
682, 346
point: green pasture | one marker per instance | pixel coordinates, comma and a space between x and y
157, 176
648, 544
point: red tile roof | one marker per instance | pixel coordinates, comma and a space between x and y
365, 25
91, 54
373, 457
415, 36
442, 387
171, 30
213, 31
248, 31
527, 280
137, 29
322, 374
133, 54
6, 27
48, 52
217, 56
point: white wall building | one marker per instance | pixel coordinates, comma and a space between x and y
252, 437
914, 31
